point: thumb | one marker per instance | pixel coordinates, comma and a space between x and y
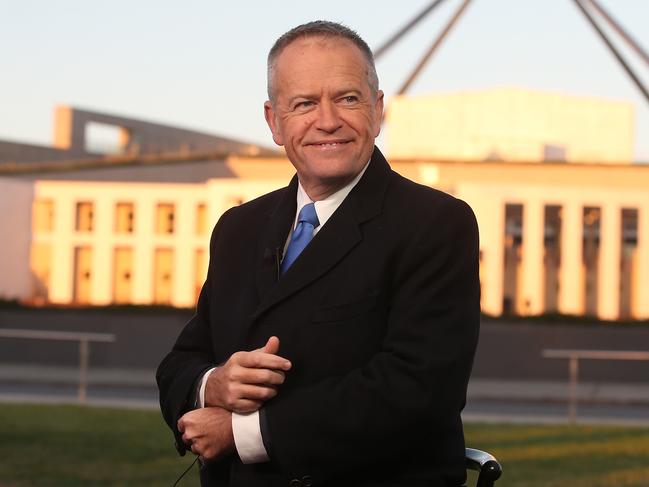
272, 346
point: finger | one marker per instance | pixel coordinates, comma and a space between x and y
262, 360
181, 425
246, 406
272, 346
256, 393
267, 377
187, 439
195, 449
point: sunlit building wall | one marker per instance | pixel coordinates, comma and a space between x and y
510, 124
126, 243
15, 236
554, 238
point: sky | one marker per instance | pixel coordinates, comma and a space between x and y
200, 64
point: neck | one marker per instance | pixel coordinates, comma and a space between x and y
321, 191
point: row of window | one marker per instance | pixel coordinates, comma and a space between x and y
123, 269
124, 217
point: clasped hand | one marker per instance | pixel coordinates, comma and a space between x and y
240, 385
247, 379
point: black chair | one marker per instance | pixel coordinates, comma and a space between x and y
488, 468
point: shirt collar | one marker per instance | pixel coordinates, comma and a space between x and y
326, 207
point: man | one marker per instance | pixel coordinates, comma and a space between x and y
335, 332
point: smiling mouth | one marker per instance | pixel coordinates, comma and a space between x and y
330, 145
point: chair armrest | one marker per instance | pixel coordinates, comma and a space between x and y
486, 464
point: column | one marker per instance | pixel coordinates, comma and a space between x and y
608, 279
571, 272
641, 291
184, 238
144, 239
62, 268
491, 219
102, 251
532, 278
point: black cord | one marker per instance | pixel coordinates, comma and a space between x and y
186, 470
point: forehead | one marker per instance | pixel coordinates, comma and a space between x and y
317, 56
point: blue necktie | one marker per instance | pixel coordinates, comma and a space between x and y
302, 235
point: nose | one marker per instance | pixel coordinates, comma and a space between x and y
328, 119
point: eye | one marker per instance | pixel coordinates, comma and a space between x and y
350, 99
302, 105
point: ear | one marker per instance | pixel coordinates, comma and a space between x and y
271, 120
378, 113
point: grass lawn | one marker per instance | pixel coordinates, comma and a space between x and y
75, 446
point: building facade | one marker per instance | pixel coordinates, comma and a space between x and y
555, 238
511, 124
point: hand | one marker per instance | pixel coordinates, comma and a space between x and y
247, 379
208, 432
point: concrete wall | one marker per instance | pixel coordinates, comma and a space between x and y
15, 238
181, 172
25, 153
184, 243
142, 137
510, 124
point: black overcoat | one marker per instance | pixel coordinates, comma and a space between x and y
379, 316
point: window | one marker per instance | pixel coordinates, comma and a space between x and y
124, 218
163, 276
43, 214
82, 274
201, 219
122, 275
164, 218
41, 263
84, 216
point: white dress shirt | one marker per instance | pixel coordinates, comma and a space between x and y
245, 427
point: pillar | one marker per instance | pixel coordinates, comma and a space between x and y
491, 220
184, 253
571, 272
62, 268
641, 291
608, 281
531, 295
143, 236
102, 251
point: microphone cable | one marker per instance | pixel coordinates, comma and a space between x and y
186, 470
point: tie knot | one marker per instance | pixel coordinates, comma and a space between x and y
308, 215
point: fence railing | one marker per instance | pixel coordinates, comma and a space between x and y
84, 340
573, 357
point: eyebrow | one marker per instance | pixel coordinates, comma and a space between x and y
336, 94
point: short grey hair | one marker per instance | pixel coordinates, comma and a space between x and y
326, 29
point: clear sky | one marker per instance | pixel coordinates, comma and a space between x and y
200, 64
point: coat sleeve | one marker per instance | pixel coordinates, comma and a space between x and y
191, 356
415, 386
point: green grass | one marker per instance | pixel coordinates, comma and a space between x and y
78, 446
75, 446
558, 456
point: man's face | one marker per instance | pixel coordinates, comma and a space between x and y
324, 112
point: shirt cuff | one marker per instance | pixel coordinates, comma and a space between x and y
247, 438
200, 403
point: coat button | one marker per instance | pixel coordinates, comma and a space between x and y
295, 483
306, 481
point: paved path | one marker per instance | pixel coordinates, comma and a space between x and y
511, 401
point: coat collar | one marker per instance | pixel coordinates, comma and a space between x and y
341, 234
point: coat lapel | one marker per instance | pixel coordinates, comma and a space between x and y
341, 234
273, 237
